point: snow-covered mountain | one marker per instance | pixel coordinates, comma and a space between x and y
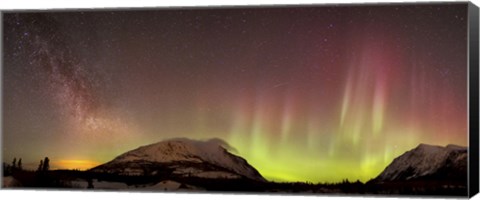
182, 157
428, 162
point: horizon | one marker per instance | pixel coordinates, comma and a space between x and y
302, 93
85, 165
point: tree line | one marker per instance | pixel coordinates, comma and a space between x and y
18, 166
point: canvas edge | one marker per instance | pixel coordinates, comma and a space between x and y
473, 50
236, 6
2, 60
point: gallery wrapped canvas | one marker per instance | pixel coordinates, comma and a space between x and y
351, 99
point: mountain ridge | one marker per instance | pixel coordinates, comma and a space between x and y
182, 157
441, 163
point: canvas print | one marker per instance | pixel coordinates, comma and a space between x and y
325, 99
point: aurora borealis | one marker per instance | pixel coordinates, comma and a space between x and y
316, 93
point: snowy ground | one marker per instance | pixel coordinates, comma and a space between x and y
169, 185
166, 185
100, 184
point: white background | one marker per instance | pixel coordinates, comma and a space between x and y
48, 4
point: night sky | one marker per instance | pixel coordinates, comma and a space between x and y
302, 93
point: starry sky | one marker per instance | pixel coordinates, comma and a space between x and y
303, 93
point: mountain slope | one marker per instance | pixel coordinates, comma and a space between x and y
182, 157
428, 162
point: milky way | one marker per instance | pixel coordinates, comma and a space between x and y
302, 93
63, 79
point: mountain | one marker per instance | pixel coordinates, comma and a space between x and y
182, 157
428, 162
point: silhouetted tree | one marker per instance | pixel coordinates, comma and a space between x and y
19, 165
46, 164
14, 163
40, 167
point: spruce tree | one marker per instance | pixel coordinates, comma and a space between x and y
19, 165
40, 167
14, 163
46, 165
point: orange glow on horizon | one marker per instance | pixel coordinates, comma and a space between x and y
74, 164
